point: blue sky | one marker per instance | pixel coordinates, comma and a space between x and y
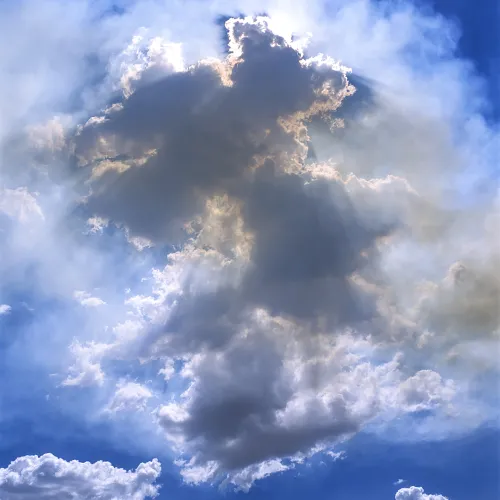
230, 272
479, 40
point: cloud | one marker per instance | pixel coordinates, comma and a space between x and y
295, 403
286, 247
129, 396
194, 134
465, 303
86, 370
416, 493
308, 238
285, 303
48, 478
5, 309
336, 455
86, 300
308, 241
425, 390
244, 479
19, 204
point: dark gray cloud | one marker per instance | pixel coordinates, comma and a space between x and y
309, 240
205, 134
302, 240
306, 239
197, 321
215, 137
235, 412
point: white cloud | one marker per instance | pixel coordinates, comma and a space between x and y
86, 299
152, 55
425, 391
290, 301
244, 479
168, 371
20, 204
49, 478
96, 224
129, 396
416, 493
5, 309
336, 455
86, 369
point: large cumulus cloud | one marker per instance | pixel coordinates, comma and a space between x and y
280, 283
244, 138
198, 132
314, 273
49, 478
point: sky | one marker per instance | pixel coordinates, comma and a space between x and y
248, 250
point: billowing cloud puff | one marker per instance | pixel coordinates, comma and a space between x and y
416, 493
4, 309
49, 478
129, 396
